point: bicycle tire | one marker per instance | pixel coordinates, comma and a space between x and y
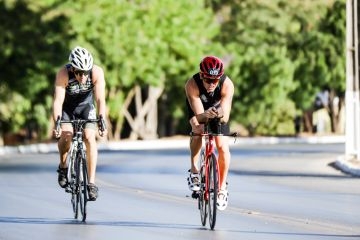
213, 189
72, 184
74, 204
83, 182
202, 204
77, 185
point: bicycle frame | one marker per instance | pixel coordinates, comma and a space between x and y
77, 174
209, 150
77, 146
77, 170
209, 176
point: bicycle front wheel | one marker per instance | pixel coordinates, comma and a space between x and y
202, 202
213, 189
73, 189
83, 182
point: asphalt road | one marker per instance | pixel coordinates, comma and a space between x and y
288, 191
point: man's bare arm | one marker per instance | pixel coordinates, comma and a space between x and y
99, 90
227, 94
59, 93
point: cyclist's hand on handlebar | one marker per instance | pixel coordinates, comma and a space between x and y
102, 126
220, 112
211, 113
57, 133
103, 133
57, 129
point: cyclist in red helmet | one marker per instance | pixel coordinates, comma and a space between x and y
209, 96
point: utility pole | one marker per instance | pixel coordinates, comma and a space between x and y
352, 97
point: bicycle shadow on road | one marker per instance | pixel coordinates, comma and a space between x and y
27, 168
23, 220
46, 221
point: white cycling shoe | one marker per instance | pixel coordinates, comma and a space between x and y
194, 181
222, 200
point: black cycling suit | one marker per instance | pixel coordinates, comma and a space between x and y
79, 98
209, 99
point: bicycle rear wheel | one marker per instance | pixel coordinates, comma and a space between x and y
202, 202
213, 189
83, 181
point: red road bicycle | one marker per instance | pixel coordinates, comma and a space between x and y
209, 176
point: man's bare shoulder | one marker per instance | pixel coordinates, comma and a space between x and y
97, 68
228, 82
62, 71
191, 87
62, 75
228, 86
190, 83
98, 73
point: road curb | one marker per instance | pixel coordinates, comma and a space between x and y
348, 166
166, 143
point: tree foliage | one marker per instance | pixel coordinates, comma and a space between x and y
278, 53
143, 43
31, 45
279, 57
319, 54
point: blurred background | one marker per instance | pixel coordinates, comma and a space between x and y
283, 56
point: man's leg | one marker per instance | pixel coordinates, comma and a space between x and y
64, 143
64, 146
224, 163
92, 155
222, 145
91, 152
194, 178
195, 147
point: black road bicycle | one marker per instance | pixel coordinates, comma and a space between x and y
77, 174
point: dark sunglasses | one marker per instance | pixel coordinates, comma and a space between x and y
80, 72
210, 80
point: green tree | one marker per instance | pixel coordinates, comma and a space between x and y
319, 53
146, 48
31, 41
277, 55
255, 33
264, 39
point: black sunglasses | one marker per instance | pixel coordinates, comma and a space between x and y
210, 80
80, 72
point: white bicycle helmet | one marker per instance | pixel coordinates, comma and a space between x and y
81, 59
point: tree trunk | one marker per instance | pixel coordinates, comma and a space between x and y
144, 122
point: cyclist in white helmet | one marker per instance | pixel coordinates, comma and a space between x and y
78, 85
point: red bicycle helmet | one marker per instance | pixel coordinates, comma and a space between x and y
212, 67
